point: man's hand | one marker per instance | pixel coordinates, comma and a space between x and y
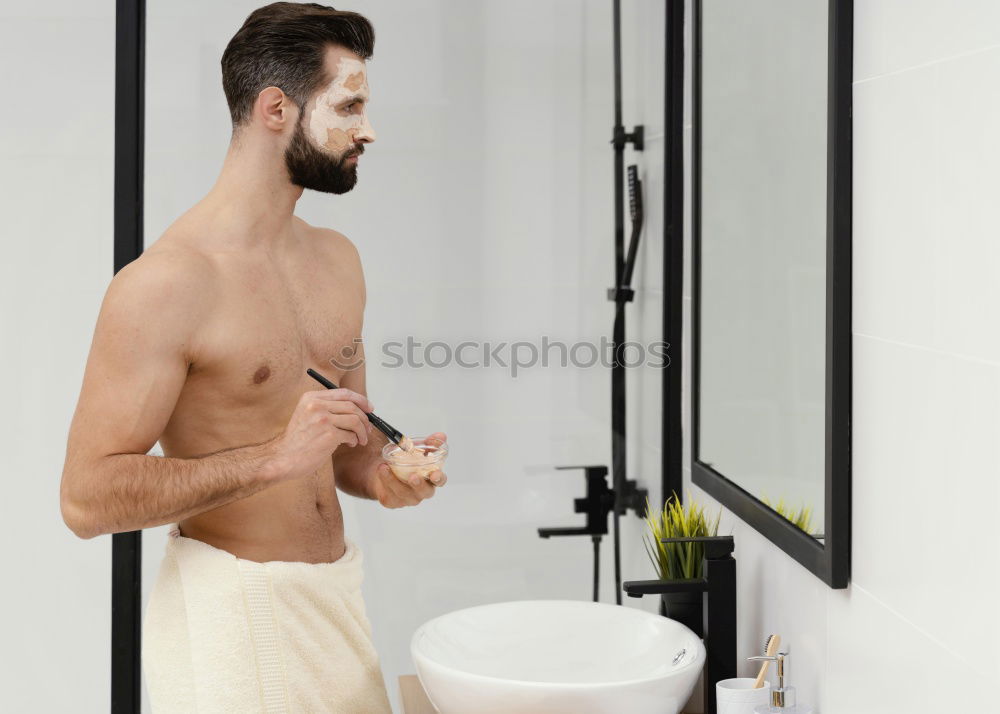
323, 420
393, 493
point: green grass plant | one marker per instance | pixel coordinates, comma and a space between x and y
678, 561
801, 517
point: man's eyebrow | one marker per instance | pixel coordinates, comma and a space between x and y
355, 98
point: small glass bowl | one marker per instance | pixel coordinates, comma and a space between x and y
403, 467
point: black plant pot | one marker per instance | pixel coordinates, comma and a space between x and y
687, 608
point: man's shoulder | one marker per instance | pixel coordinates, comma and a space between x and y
172, 262
165, 276
330, 239
159, 300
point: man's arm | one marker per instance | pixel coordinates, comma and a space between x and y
138, 363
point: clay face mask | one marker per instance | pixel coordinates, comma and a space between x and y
333, 122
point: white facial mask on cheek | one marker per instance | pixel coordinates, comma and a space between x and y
328, 128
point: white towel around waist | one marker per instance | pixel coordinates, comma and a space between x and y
224, 634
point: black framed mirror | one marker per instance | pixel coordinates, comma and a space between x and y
771, 271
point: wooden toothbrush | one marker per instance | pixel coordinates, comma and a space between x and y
770, 649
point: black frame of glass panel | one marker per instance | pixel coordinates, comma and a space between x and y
830, 560
672, 444
126, 548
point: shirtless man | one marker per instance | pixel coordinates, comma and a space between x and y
203, 342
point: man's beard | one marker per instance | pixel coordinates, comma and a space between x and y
309, 167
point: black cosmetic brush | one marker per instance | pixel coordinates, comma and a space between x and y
394, 435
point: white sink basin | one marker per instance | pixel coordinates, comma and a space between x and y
556, 657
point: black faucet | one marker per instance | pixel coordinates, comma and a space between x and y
718, 587
597, 504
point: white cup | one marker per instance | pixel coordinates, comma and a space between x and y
738, 696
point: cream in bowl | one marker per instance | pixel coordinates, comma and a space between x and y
423, 458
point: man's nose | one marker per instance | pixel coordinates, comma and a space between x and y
365, 132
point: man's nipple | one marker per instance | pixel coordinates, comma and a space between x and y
262, 373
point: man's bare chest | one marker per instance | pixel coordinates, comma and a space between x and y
267, 329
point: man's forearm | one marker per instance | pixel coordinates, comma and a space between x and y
126, 492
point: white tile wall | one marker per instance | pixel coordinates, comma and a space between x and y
898, 35
929, 432
57, 61
915, 632
877, 662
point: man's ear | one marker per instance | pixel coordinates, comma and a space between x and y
275, 109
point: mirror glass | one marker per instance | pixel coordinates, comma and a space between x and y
763, 239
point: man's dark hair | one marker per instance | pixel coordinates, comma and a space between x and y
283, 45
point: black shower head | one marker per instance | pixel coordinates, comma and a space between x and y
634, 194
